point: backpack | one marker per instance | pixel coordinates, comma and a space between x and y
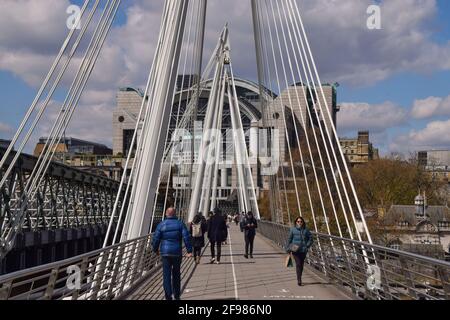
197, 230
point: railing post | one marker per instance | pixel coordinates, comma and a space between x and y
84, 265
384, 277
127, 267
407, 275
350, 269
137, 266
5, 291
51, 284
445, 281
103, 258
117, 265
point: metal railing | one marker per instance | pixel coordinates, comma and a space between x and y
367, 271
104, 274
371, 271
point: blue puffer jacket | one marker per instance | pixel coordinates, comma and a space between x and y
168, 238
301, 237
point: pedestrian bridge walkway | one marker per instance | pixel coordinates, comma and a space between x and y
261, 278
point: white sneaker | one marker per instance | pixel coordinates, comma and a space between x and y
217, 262
212, 260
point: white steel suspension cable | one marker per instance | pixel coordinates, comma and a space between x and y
272, 45
69, 105
218, 150
271, 106
212, 201
259, 47
193, 95
305, 127
39, 114
169, 8
293, 116
41, 91
133, 141
89, 66
337, 139
177, 117
156, 144
244, 151
310, 118
17, 222
196, 193
162, 96
311, 57
301, 153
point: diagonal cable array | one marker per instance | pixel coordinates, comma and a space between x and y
39, 109
315, 178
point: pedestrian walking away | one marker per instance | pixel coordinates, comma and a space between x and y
167, 242
250, 225
197, 229
217, 233
299, 242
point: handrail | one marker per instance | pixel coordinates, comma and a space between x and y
371, 271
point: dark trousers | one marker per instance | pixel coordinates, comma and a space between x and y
172, 277
219, 249
300, 258
249, 240
197, 252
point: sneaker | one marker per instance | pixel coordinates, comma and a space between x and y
217, 262
299, 283
198, 260
246, 256
251, 256
212, 260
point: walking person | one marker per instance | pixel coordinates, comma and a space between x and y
242, 220
236, 219
197, 230
217, 233
250, 224
299, 242
167, 241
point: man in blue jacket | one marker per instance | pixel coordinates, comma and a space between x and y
167, 241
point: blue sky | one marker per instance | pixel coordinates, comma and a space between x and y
412, 78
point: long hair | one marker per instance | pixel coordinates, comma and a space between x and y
301, 218
197, 218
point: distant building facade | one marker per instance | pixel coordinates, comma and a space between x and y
85, 155
359, 150
437, 162
418, 228
4, 143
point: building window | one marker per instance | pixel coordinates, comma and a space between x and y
444, 225
403, 224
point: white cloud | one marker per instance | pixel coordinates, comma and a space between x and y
376, 118
345, 50
5, 128
435, 135
431, 107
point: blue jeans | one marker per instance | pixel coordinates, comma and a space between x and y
172, 277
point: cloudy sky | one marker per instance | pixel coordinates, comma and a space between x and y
394, 82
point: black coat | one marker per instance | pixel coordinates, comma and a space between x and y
217, 229
199, 242
249, 229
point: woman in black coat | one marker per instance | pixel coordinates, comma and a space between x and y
217, 233
197, 230
250, 224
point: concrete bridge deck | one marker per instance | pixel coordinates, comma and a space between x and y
261, 278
